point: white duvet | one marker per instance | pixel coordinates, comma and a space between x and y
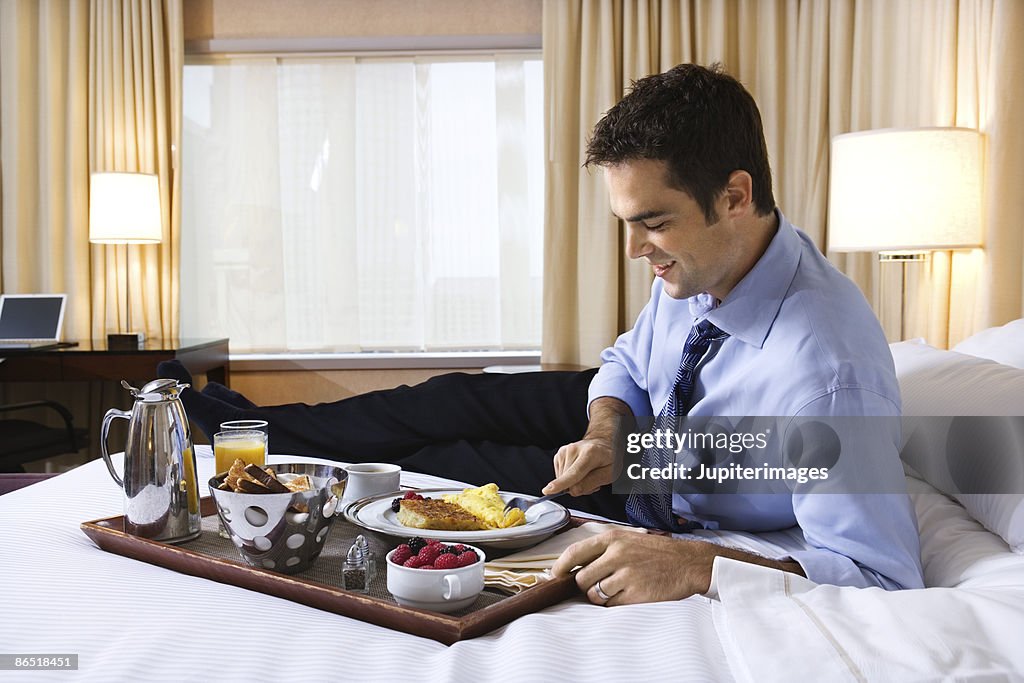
969, 623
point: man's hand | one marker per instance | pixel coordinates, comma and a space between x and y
582, 467
635, 568
585, 466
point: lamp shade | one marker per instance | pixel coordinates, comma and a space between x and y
124, 208
906, 190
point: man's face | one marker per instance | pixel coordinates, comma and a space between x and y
666, 227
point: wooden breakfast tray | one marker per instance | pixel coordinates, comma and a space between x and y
217, 559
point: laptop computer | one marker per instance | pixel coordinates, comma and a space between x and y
31, 321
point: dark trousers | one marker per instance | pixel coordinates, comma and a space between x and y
501, 428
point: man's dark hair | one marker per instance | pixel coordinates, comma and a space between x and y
699, 120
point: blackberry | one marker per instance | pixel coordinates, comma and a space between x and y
396, 505
416, 544
454, 550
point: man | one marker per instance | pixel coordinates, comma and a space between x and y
746, 318
687, 171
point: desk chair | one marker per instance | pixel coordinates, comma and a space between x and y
23, 441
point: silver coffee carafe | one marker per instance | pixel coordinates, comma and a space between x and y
161, 492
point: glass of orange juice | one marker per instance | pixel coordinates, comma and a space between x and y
249, 446
254, 425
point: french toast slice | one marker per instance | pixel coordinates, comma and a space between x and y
438, 515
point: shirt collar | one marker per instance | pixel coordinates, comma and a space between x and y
753, 304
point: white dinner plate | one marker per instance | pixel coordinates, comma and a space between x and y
542, 520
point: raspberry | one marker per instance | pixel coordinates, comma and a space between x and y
434, 542
415, 562
461, 548
467, 558
429, 554
411, 495
401, 554
416, 544
446, 561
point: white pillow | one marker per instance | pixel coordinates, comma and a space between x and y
1002, 344
978, 461
956, 550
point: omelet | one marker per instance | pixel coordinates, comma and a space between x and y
485, 503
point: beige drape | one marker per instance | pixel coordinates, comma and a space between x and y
136, 58
88, 86
816, 68
44, 165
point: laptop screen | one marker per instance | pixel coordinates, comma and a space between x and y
31, 316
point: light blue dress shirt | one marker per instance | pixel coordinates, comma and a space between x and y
803, 342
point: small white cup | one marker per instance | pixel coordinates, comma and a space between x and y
371, 479
437, 590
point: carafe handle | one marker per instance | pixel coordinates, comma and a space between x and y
111, 415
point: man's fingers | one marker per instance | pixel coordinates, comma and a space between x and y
568, 479
594, 480
581, 468
574, 469
563, 458
580, 553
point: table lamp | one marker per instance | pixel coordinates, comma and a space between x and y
905, 193
124, 208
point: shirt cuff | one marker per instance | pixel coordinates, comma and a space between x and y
614, 381
827, 567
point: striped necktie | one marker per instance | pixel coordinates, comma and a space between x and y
654, 510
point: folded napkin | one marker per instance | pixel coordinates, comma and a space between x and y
512, 573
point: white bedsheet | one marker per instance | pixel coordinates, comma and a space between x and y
966, 625
131, 621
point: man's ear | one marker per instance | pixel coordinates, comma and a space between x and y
739, 193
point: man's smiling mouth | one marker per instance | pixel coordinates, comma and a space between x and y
661, 269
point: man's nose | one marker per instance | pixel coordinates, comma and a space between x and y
637, 245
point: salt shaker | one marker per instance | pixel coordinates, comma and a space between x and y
368, 554
354, 574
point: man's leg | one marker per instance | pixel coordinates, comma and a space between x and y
473, 428
219, 391
542, 409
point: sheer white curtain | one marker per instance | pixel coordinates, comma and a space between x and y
344, 204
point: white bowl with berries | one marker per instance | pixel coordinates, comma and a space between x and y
435, 575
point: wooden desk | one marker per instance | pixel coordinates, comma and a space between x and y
92, 360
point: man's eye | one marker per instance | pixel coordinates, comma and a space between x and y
658, 227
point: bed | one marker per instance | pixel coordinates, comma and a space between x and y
128, 620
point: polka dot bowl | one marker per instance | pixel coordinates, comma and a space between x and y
284, 532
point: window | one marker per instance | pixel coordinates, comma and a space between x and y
350, 204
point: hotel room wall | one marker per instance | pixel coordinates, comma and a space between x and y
237, 19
